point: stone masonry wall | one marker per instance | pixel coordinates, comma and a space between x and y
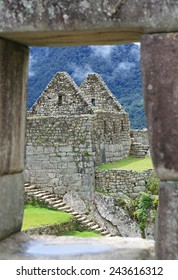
59, 154
139, 143
62, 151
110, 136
139, 136
127, 182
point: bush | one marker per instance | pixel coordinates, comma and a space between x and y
152, 185
142, 213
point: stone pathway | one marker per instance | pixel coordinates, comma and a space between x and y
55, 202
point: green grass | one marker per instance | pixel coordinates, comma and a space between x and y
36, 216
85, 233
39, 216
136, 164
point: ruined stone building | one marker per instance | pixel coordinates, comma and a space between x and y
67, 23
71, 130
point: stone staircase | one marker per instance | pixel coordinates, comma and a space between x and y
53, 201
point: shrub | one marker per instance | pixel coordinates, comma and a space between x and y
142, 213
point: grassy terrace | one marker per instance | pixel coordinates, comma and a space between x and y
39, 216
36, 216
129, 163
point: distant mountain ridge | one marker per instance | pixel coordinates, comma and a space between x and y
118, 65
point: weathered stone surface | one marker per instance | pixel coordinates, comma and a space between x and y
13, 91
167, 222
11, 204
119, 222
75, 202
85, 22
21, 247
160, 71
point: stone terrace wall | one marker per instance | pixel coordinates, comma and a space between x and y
59, 154
116, 182
110, 136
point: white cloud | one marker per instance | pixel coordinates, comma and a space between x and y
103, 51
135, 51
80, 72
125, 66
123, 69
32, 62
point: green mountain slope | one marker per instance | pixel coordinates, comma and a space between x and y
118, 65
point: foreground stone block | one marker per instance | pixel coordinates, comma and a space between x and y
13, 93
21, 246
160, 83
167, 227
11, 204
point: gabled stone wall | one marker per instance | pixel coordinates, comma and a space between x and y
96, 92
61, 97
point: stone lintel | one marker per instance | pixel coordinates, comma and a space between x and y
159, 57
167, 222
73, 22
11, 204
13, 95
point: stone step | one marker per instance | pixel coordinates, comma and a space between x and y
90, 224
55, 201
30, 187
69, 211
78, 216
31, 190
108, 235
40, 195
94, 227
75, 213
51, 199
27, 185
81, 219
105, 232
47, 196
86, 221
63, 208
100, 230
36, 192
58, 204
